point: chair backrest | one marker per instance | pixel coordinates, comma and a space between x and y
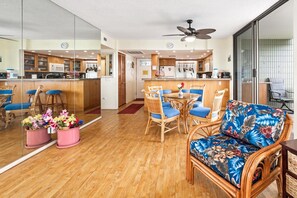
256, 124
277, 87
35, 99
198, 89
217, 104
8, 89
153, 102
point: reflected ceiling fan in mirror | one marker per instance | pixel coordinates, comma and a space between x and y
190, 34
3, 36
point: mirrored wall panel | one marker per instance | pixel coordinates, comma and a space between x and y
51, 62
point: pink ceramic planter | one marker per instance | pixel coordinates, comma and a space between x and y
37, 138
68, 138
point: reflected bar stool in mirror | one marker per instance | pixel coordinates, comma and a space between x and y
52, 97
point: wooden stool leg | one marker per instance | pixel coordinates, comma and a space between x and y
61, 100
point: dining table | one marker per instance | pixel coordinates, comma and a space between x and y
183, 104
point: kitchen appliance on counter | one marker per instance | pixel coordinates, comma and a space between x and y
3, 75
56, 67
225, 75
169, 71
11, 74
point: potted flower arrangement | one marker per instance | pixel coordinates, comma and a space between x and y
180, 89
67, 129
36, 127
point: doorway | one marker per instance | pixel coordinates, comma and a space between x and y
143, 71
122, 79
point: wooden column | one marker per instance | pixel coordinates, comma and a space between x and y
155, 62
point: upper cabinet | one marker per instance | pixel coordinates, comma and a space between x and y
167, 61
29, 62
42, 63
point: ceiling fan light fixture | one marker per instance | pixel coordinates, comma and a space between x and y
190, 38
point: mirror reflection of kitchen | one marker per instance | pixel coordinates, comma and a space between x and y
46, 58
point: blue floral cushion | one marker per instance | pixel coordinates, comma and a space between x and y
225, 155
256, 124
168, 112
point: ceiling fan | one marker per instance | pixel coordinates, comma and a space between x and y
190, 34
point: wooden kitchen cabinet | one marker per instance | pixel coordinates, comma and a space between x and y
167, 61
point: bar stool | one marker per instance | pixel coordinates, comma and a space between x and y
31, 93
52, 100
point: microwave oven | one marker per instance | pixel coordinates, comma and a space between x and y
56, 67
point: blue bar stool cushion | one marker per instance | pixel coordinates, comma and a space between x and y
53, 92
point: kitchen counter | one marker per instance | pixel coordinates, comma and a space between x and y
185, 79
211, 85
78, 94
47, 79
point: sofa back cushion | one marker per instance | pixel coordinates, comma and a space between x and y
256, 124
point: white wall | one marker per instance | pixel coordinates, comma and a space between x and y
295, 69
130, 79
109, 87
10, 53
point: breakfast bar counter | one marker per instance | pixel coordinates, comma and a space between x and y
211, 85
78, 94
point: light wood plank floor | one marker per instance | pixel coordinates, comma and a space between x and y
114, 159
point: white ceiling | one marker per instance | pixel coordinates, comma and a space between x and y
79, 54
139, 19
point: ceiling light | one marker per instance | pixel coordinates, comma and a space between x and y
190, 38
85, 51
32, 51
207, 50
61, 56
160, 56
204, 53
157, 51
76, 55
142, 56
191, 51
49, 54
188, 56
49, 51
173, 51
66, 51
92, 52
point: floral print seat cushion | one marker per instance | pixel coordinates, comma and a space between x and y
256, 124
225, 155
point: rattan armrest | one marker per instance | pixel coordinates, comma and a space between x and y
279, 94
195, 129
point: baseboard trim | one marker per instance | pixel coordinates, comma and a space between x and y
35, 152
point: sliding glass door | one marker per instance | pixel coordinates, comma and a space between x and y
263, 56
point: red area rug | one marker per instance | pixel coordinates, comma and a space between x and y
139, 99
95, 111
131, 109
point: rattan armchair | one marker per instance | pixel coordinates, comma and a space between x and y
160, 115
260, 164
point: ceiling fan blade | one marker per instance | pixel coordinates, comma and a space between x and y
8, 39
183, 39
203, 36
174, 35
205, 31
184, 30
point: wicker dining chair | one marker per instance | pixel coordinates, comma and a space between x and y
200, 115
160, 115
161, 91
198, 89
